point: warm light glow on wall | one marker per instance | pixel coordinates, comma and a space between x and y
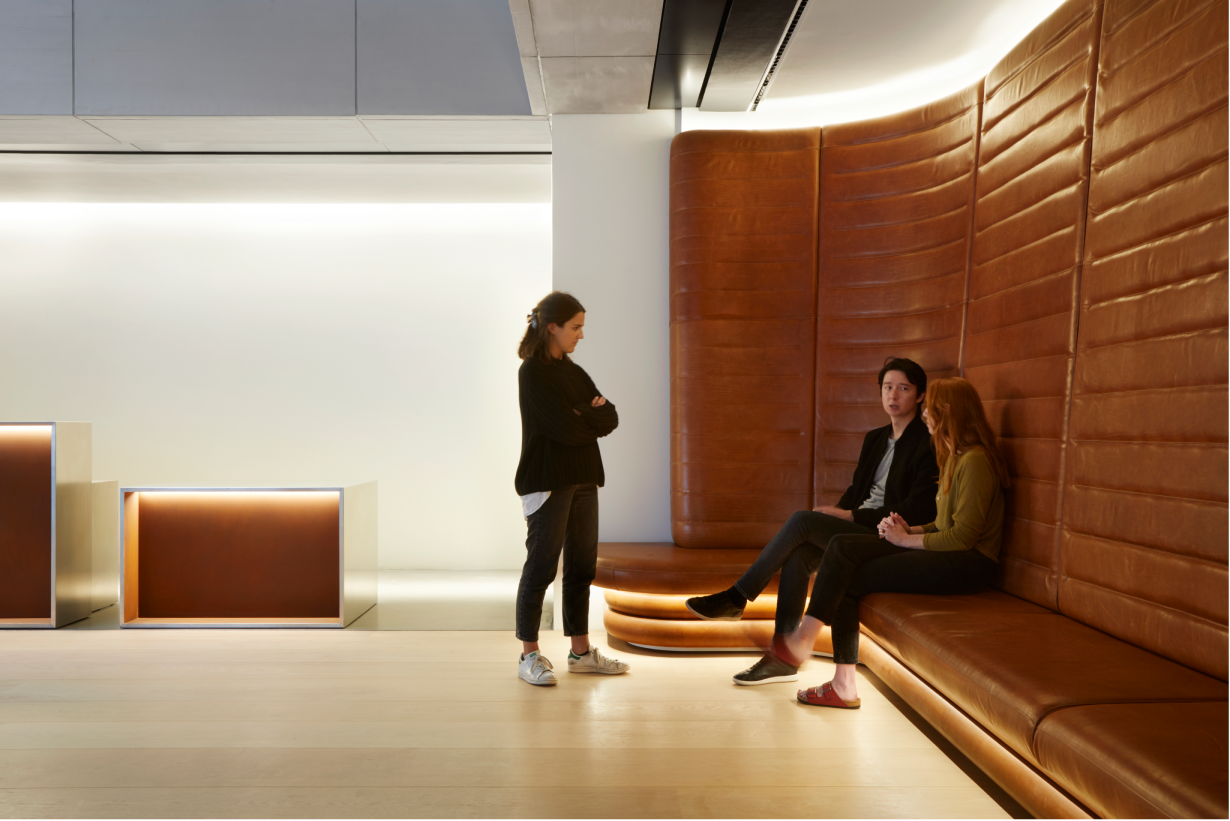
999, 35
271, 345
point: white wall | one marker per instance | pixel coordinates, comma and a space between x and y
610, 191
289, 345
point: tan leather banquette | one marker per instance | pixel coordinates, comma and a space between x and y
1058, 235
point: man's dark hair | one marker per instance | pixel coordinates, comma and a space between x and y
912, 370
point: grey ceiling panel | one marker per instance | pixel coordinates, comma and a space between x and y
439, 57
686, 43
36, 57
226, 57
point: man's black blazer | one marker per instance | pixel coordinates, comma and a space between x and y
913, 478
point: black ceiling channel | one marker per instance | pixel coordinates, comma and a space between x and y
750, 39
686, 42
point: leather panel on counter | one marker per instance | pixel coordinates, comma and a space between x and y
1141, 760
896, 195
1144, 551
25, 521
1025, 268
743, 212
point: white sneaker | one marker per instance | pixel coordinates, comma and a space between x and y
536, 670
595, 662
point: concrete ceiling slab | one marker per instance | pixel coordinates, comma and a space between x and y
596, 28
597, 85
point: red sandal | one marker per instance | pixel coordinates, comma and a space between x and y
825, 696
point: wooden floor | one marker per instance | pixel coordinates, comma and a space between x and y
286, 723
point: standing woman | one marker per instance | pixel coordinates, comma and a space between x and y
562, 417
957, 553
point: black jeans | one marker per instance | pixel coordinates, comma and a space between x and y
854, 566
567, 521
796, 550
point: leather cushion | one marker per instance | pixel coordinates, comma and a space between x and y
1008, 670
1140, 760
881, 614
661, 567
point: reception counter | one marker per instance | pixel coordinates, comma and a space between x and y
247, 557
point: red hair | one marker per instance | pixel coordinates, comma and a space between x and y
954, 409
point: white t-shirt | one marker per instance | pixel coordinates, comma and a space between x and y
530, 502
876, 499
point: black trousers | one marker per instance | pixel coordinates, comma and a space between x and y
854, 566
567, 522
796, 550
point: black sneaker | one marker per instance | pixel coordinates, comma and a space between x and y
768, 670
717, 607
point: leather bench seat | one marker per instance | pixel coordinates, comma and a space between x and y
1140, 760
1060, 694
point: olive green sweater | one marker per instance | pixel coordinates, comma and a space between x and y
971, 514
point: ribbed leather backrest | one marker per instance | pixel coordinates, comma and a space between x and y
1145, 537
1029, 220
896, 197
742, 282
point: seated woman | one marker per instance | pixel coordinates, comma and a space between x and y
957, 553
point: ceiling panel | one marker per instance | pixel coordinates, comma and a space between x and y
597, 85
439, 57
36, 57
171, 57
272, 179
754, 29
596, 28
239, 133
471, 134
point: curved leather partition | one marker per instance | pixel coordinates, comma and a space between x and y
742, 284
1025, 267
1145, 530
25, 521
896, 199
699, 635
660, 567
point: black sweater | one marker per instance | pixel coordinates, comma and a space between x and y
559, 427
912, 480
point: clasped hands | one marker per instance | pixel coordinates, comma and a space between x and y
896, 530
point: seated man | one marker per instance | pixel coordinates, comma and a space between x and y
896, 473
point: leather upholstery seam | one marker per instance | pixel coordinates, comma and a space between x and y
875, 169
1143, 9
1108, 489
1200, 115
1023, 247
876, 227
1146, 340
1194, 559
1154, 605
893, 284
1043, 49
999, 328
1177, 232
910, 193
1173, 180
1162, 38
1137, 296
1220, 385
1033, 166
1034, 92
904, 134
737, 179
1037, 204
1026, 284
902, 253
896, 344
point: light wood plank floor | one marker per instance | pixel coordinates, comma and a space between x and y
337, 724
